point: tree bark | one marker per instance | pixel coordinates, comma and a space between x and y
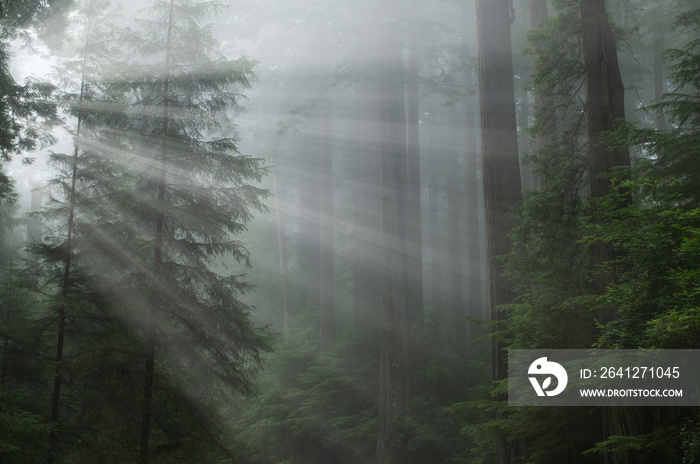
523, 122
658, 79
147, 406
543, 103
327, 281
366, 211
66, 277
309, 221
435, 239
456, 306
473, 259
393, 363
501, 170
413, 229
605, 102
282, 252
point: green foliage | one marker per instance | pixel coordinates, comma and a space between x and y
311, 407
652, 220
27, 112
22, 434
447, 375
322, 407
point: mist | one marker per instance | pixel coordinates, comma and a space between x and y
311, 231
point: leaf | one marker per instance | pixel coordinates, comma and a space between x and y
546, 383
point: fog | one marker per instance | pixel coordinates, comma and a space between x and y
310, 231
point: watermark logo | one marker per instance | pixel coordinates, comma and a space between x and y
543, 367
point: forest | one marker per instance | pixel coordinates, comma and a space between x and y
310, 231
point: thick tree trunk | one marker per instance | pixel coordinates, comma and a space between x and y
393, 364
605, 102
366, 210
501, 169
327, 281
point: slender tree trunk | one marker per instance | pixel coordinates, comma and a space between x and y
66, 277
501, 170
523, 118
146, 411
435, 241
456, 306
6, 341
474, 294
413, 229
366, 210
393, 363
327, 282
544, 104
310, 217
658, 79
282, 252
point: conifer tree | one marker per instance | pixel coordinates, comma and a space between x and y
191, 195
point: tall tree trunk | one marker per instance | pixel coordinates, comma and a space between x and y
605, 102
282, 252
327, 282
366, 210
309, 225
146, 411
501, 170
456, 306
393, 363
658, 79
414, 236
474, 293
544, 104
473, 259
66, 277
435, 241
311, 153
8, 317
523, 122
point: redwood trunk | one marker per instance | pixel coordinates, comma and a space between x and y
393, 363
501, 170
327, 282
413, 228
543, 103
475, 305
282, 252
366, 210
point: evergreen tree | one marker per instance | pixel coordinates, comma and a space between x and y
501, 170
27, 113
190, 196
83, 179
